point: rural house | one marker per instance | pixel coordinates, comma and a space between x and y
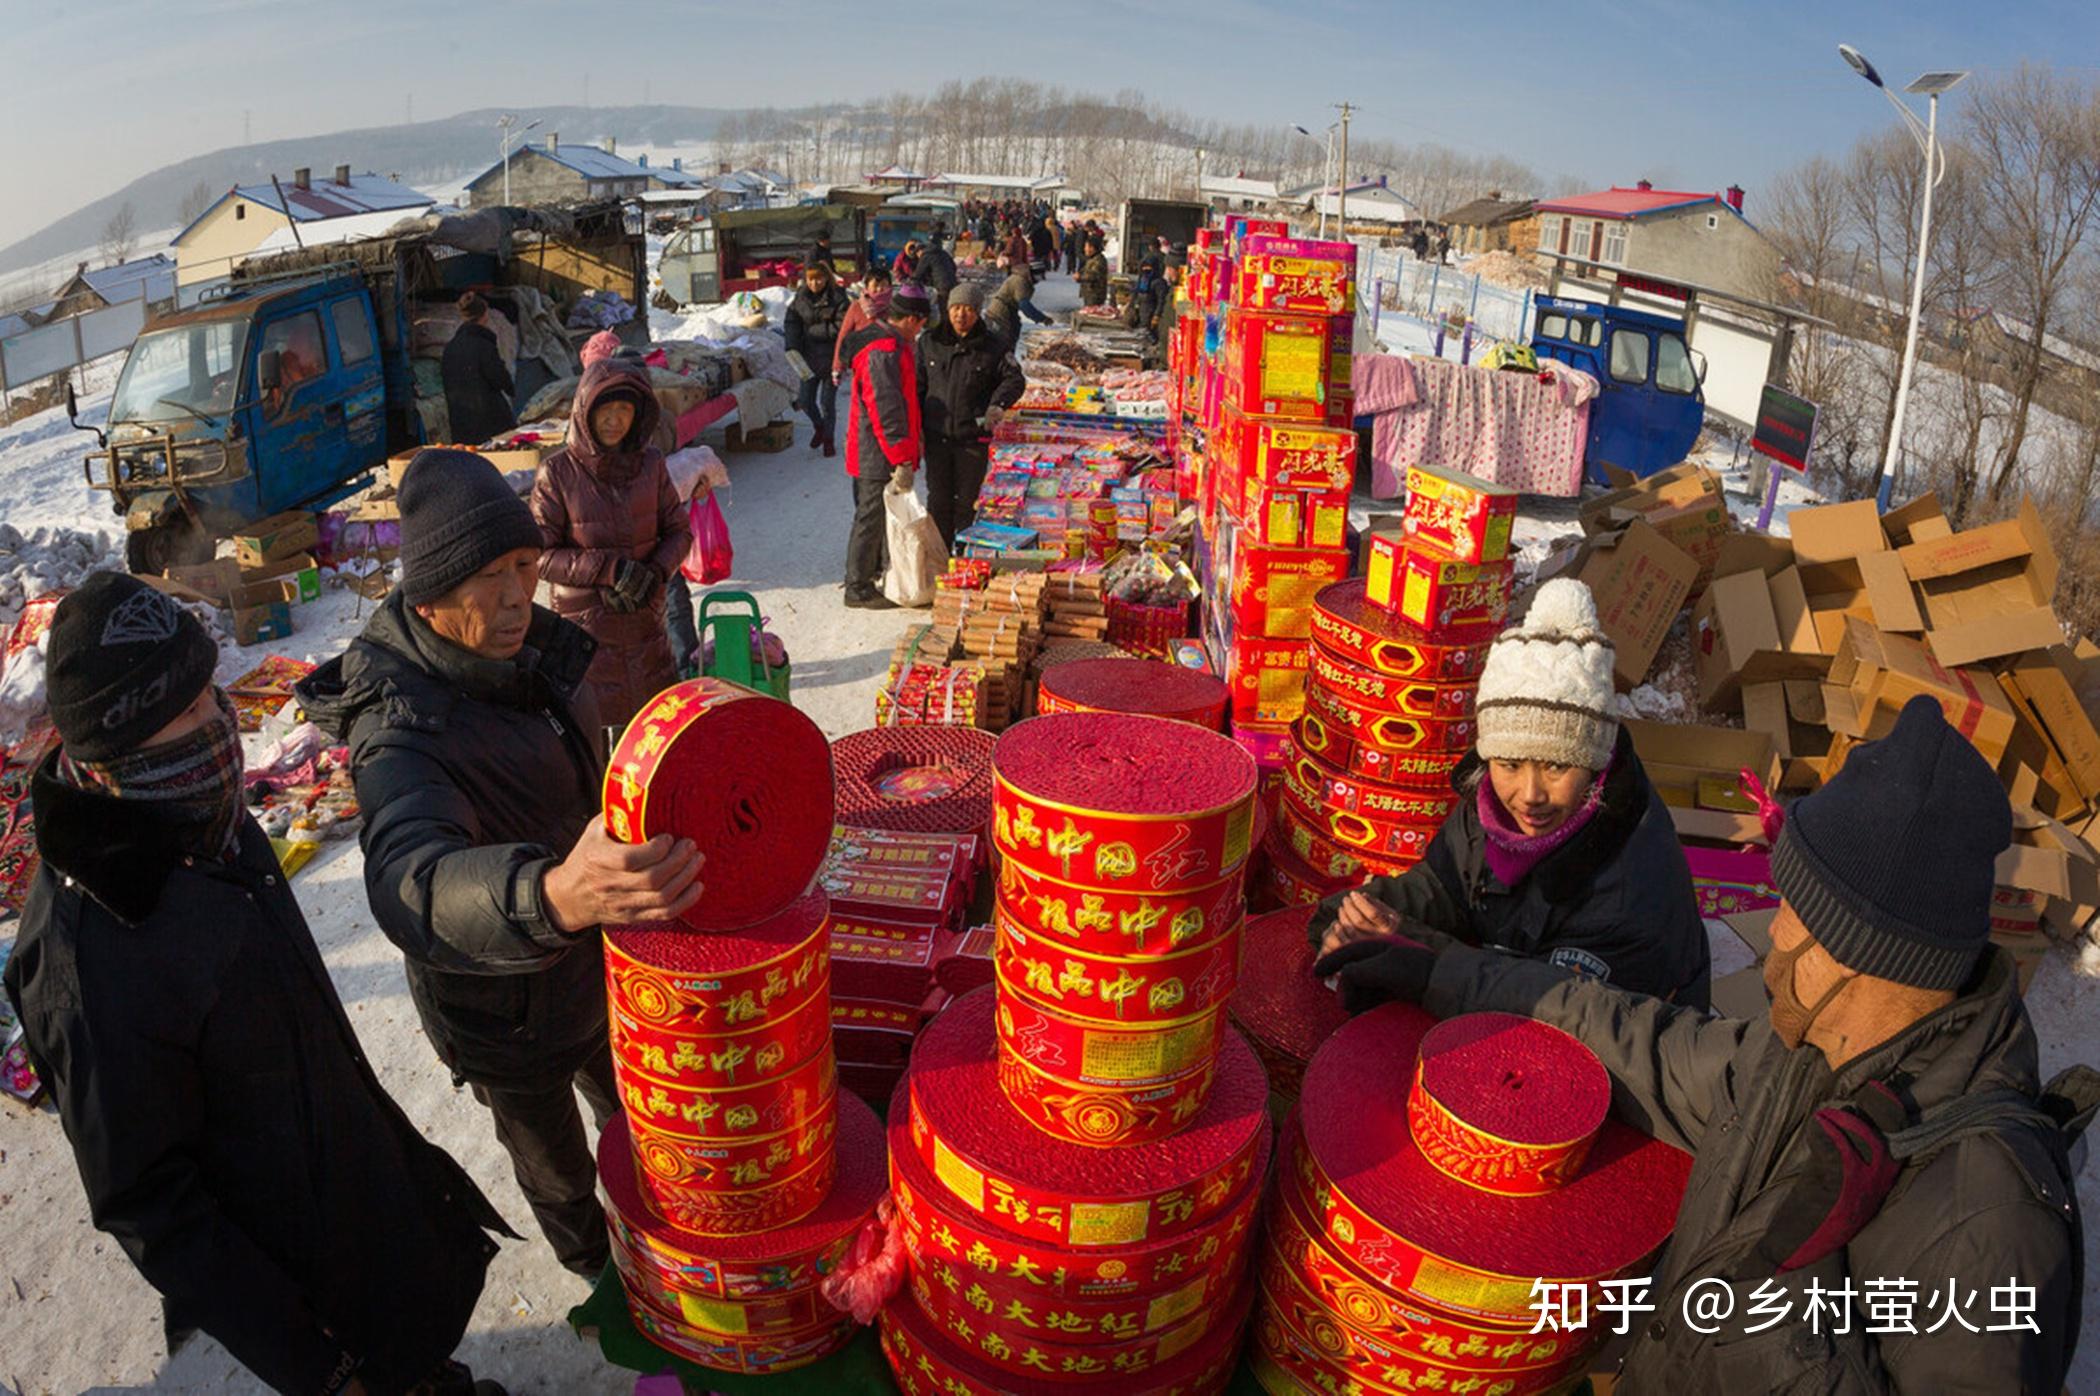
151, 279
1494, 224
1663, 235
554, 173
245, 217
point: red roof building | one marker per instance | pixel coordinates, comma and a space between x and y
1665, 235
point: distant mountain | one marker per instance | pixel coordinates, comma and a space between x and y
426, 152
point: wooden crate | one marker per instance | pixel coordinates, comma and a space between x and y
777, 436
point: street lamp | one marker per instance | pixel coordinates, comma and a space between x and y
1926, 134
504, 124
1326, 162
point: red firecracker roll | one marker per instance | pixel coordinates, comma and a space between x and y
1126, 923
787, 1260
722, 1188
1445, 702
1383, 1206
722, 1009
927, 779
759, 1356
1000, 1167
1122, 803
1285, 1012
1125, 1057
1073, 1345
1148, 1277
1506, 1104
1299, 1348
928, 1360
1406, 770
1103, 1114
1370, 725
1349, 627
1120, 990
1307, 835
1292, 881
1152, 687
1401, 836
745, 776
1328, 787
730, 1115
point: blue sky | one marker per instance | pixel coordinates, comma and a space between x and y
1683, 92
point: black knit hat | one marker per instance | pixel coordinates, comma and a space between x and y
1890, 865
125, 661
458, 515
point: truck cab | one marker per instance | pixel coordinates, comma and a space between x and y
751, 249
1650, 402
241, 408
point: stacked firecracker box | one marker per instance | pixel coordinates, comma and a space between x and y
1395, 664
1268, 452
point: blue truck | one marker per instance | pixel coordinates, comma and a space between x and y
290, 389
1650, 402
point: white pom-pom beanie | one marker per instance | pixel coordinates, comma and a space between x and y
1546, 689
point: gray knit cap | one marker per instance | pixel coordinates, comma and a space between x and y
968, 293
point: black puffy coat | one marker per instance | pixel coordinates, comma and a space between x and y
1615, 901
962, 377
478, 387
812, 322
475, 776
936, 272
229, 1132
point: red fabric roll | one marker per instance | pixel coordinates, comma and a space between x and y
933, 780
1151, 687
988, 1156
746, 777
1285, 1012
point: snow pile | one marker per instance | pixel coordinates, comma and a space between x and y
1508, 269
47, 560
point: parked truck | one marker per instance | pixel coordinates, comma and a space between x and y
1651, 400
749, 249
289, 389
1143, 222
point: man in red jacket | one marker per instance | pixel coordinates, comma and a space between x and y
882, 434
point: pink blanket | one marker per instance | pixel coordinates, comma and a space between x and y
1516, 429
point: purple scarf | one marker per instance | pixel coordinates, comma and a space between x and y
1511, 853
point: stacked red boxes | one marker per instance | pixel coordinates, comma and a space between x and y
1448, 571
1077, 1155
1416, 1211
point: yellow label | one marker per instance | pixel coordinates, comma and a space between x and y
1470, 1289
1283, 519
1280, 685
1294, 366
1414, 597
1175, 1304
1108, 1223
1378, 578
1239, 834
1170, 1344
1328, 526
1495, 537
966, 1182
714, 1315
1118, 1056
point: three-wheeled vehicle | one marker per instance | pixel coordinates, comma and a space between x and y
1650, 402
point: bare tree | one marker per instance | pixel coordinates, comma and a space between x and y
195, 203
120, 234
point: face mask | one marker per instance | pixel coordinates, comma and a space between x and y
1790, 1017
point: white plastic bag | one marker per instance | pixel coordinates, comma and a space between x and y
917, 555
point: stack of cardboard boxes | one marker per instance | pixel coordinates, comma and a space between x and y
272, 570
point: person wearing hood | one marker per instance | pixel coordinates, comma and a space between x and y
936, 273
612, 532
230, 1134
479, 762
1879, 1136
478, 385
812, 325
967, 380
1559, 848
870, 307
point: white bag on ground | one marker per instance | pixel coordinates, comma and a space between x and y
917, 555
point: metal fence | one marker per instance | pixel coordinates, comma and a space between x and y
36, 354
1390, 280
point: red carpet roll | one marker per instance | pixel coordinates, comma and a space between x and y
746, 777
1347, 626
1284, 1011
928, 779
1000, 1168
1152, 687
1121, 803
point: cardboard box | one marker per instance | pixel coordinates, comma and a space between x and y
1920, 521
1987, 592
299, 576
1731, 881
1735, 641
1697, 771
1640, 581
1685, 504
1293, 366
2061, 689
250, 625
1792, 714
1461, 515
1874, 674
279, 536
1450, 600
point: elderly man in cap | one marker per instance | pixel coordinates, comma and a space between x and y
967, 380
229, 1132
475, 746
882, 434
1882, 1127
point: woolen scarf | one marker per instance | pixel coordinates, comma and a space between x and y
1510, 852
195, 781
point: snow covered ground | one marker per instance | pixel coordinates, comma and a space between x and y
74, 1314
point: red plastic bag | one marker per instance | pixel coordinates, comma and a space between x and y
710, 557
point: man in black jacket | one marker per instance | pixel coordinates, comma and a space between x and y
478, 759
967, 380
937, 274
811, 325
478, 387
229, 1132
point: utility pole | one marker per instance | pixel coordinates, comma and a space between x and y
1199, 176
1341, 197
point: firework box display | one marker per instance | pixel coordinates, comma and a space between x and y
1460, 515
1285, 1012
1272, 589
1295, 274
744, 776
1152, 687
1260, 453
1451, 601
1295, 366
1115, 802
1000, 1168
1288, 881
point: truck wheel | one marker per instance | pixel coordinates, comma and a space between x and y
152, 551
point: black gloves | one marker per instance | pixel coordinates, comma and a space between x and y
1379, 970
1842, 1186
634, 582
